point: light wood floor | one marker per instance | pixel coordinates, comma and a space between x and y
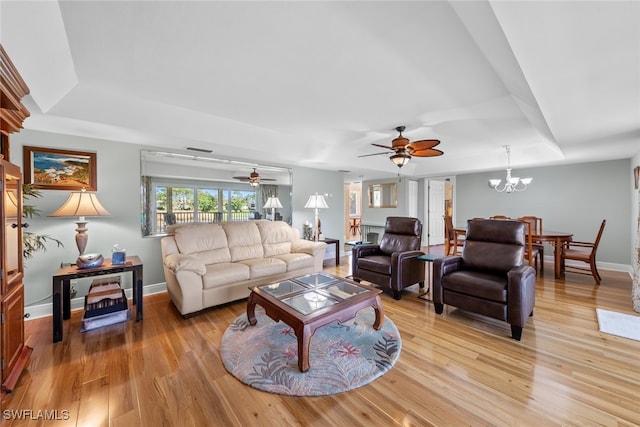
454, 369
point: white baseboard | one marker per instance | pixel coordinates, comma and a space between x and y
46, 310
601, 265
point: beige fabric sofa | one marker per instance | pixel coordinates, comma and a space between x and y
210, 264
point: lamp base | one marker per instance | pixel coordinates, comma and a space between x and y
89, 261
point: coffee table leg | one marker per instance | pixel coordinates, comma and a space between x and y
377, 306
304, 342
251, 310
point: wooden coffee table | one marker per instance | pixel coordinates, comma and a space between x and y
309, 302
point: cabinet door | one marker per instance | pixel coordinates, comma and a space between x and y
11, 213
12, 329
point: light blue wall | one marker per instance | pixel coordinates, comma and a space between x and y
330, 184
119, 191
573, 198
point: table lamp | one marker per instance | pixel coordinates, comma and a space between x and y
315, 202
273, 203
82, 204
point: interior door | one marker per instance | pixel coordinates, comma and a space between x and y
435, 210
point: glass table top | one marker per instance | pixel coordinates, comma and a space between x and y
313, 292
317, 279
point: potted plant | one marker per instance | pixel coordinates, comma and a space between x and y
33, 242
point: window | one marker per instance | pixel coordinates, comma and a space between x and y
178, 203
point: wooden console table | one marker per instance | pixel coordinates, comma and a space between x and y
62, 292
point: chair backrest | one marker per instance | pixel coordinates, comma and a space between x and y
528, 248
499, 217
597, 241
448, 227
169, 218
496, 245
401, 234
536, 223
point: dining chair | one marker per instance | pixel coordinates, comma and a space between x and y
584, 252
452, 241
531, 252
536, 228
499, 217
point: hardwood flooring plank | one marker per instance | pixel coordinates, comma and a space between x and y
454, 369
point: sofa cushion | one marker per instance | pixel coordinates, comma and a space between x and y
244, 240
296, 261
262, 267
224, 274
206, 242
276, 237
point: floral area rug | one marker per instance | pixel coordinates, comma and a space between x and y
342, 356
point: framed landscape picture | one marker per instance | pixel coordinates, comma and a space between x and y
54, 169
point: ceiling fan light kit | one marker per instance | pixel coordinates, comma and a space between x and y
400, 159
253, 179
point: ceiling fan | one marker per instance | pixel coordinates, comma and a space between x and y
404, 150
253, 179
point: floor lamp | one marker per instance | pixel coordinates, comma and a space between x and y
315, 202
273, 203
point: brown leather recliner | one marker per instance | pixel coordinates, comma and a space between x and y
393, 264
490, 277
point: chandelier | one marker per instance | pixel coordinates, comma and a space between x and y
511, 183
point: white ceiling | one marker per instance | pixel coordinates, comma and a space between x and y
314, 83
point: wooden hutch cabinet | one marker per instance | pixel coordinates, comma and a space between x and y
14, 353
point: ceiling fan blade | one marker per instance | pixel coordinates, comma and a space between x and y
424, 144
374, 154
242, 178
429, 152
268, 179
384, 146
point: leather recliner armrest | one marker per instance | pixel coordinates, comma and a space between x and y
521, 285
399, 257
442, 266
360, 251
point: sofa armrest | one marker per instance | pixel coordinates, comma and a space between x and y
184, 262
308, 247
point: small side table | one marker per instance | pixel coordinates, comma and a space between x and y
330, 241
429, 258
62, 284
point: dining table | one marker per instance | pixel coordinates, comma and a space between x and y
557, 239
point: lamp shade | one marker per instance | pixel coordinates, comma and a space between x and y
273, 202
316, 201
81, 203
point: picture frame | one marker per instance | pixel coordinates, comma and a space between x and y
59, 169
636, 177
